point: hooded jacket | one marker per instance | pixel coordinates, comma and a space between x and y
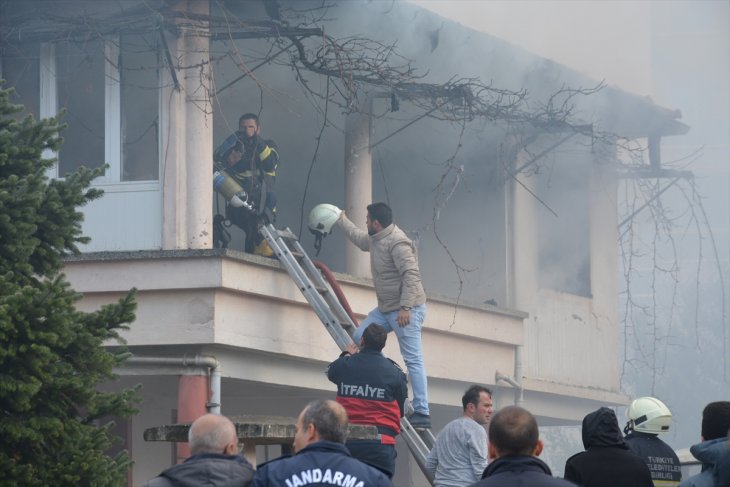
393, 264
710, 453
607, 461
519, 471
212, 469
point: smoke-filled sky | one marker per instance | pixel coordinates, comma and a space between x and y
678, 54
606, 39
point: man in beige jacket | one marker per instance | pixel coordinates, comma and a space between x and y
401, 299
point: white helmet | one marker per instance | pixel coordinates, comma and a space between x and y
648, 415
322, 218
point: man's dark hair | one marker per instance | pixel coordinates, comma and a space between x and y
381, 212
513, 431
715, 420
374, 337
471, 396
328, 418
249, 116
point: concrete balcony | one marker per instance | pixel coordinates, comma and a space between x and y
247, 312
272, 349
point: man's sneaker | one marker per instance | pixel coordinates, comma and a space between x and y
420, 421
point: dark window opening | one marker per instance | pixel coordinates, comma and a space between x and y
139, 106
80, 85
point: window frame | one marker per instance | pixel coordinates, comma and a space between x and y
112, 178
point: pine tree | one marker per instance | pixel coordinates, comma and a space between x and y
52, 358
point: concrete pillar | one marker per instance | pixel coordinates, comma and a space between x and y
604, 257
198, 130
187, 135
523, 250
192, 397
358, 182
172, 155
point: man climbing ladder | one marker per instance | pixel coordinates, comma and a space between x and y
401, 298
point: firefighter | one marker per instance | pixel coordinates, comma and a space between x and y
252, 162
373, 390
648, 417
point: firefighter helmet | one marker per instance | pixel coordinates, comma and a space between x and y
322, 218
648, 415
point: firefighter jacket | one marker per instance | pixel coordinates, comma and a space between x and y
658, 456
260, 158
372, 389
607, 461
323, 463
393, 264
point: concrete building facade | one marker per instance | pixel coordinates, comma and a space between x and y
520, 266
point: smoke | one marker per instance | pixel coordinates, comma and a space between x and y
446, 182
677, 53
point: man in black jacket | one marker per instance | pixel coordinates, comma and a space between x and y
321, 457
372, 389
607, 461
215, 460
514, 446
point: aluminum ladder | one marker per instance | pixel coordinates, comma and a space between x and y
324, 302
310, 282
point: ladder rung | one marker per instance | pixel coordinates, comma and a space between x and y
286, 234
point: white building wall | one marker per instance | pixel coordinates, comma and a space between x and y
569, 339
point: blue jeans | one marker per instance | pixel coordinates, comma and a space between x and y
409, 340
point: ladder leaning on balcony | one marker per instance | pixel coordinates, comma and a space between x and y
336, 320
